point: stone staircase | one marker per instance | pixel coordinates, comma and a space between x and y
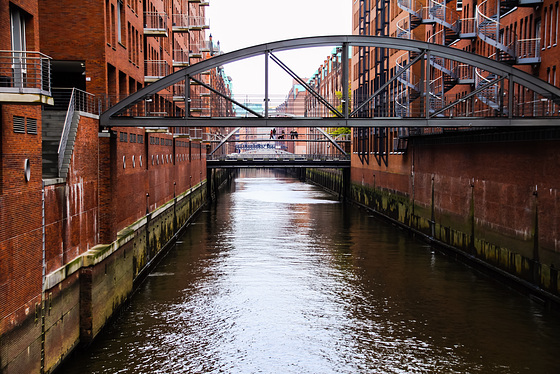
53, 123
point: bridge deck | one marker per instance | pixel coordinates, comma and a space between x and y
278, 161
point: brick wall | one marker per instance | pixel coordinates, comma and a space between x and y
505, 192
20, 217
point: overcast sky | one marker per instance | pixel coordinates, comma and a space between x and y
240, 24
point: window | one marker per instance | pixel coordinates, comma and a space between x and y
459, 5
17, 23
120, 16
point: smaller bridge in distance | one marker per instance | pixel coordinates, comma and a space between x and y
277, 160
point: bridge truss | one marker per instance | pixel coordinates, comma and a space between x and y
519, 98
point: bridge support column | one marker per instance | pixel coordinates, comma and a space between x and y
302, 172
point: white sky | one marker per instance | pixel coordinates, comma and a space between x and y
240, 24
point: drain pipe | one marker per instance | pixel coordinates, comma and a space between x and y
43, 277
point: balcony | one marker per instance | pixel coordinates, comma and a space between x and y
528, 51
197, 49
180, 22
198, 23
25, 76
200, 106
155, 70
180, 58
155, 24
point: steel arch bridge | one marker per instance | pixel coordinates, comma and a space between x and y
426, 60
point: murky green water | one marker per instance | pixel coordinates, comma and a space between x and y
278, 277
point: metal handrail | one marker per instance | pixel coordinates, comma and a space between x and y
279, 156
198, 22
488, 28
80, 101
468, 25
529, 48
155, 20
25, 70
446, 17
156, 68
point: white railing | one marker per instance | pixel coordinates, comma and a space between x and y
156, 68
155, 21
403, 28
279, 156
180, 57
488, 27
198, 22
413, 7
180, 20
464, 72
529, 48
80, 101
444, 15
25, 72
468, 25
489, 95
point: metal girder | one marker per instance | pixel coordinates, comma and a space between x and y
321, 99
226, 97
471, 94
332, 141
224, 140
332, 122
109, 117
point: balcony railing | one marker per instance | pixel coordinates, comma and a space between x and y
180, 58
25, 72
198, 23
180, 22
529, 51
79, 101
156, 69
155, 24
196, 49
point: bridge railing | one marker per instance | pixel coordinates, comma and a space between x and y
278, 157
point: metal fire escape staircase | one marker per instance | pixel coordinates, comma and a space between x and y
488, 14
489, 29
435, 13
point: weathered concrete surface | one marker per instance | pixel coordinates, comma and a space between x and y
496, 204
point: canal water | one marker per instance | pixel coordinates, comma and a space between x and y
280, 277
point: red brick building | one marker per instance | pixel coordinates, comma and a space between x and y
492, 193
77, 200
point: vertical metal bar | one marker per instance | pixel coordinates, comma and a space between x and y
510, 96
345, 80
422, 80
501, 97
428, 81
187, 96
266, 84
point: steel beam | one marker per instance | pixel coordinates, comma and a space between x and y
224, 140
331, 122
520, 77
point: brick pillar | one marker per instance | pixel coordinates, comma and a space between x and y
86, 307
107, 177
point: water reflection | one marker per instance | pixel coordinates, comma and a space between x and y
278, 277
